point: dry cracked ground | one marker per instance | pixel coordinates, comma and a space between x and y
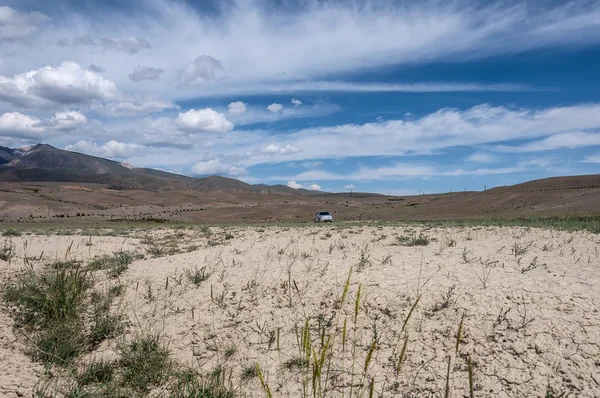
338, 311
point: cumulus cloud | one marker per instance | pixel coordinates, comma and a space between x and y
296, 102
110, 149
216, 167
237, 108
201, 70
145, 73
275, 108
66, 84
274, 149
294, 184
15, 25
130, 45
349, 186
203, 121
65, 121
18, 125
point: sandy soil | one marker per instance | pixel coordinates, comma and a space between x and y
530, 300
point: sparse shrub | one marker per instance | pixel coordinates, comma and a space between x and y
145, 362
116, 264
413, 240
7, 250
11, 233
197, 275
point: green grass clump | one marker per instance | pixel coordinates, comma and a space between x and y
96, 372
65, 318
145, 362
44, 298
116, 264
11, 232
197, 275
190, 385
413, 240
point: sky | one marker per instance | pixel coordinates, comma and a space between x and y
395, 97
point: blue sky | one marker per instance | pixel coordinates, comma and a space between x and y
393, 97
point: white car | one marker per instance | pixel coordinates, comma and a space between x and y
323, 216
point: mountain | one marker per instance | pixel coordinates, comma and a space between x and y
45, 163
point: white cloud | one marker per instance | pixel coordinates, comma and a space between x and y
110, 149
201, 70
203, 121
275, 149
275, 108
15, 25
130, 45
569, 140
402, 171
216, 167
591, 159
145, 73
133, 107
66, 121
446, 128
237, 108
294, 184
349, 186
18, 125
15, 124
296, 102
482, 157
65, 84
312, 165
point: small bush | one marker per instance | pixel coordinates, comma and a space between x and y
145, 362
11, 232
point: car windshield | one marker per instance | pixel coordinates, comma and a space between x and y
324, 213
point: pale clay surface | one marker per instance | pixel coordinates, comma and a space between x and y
549, 336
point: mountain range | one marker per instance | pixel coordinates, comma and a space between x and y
45, 163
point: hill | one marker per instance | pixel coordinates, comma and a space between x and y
45, 163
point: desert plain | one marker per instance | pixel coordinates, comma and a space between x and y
337, 310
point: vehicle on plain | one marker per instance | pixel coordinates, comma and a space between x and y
323, 216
